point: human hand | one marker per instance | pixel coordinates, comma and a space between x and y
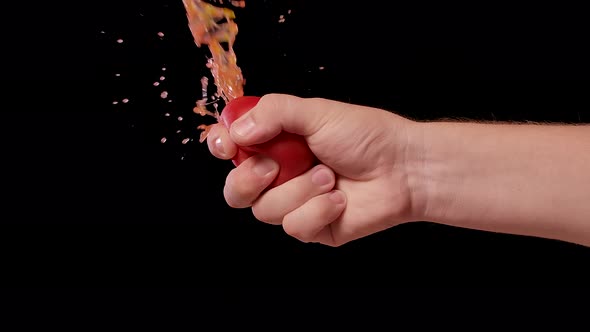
361, 186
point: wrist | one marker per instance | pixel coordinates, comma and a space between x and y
440, 164
416, 171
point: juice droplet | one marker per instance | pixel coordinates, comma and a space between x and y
180, 118
125, 101
118, 75
164, 94
167, 114
204, 84
115, 102
163, 140
162, 78
186, 140
161, 34
120, 41
163, 68
156, 83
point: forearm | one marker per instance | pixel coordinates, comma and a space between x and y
509, 178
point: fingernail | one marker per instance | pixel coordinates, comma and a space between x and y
337, 197
264, 167
321, 177
243, 127
219, 146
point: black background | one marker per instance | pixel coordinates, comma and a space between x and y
93, 199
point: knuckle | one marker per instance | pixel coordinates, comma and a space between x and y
229, 198
335, 244
270, 97
229, 179
335, 240
292, 229
261, 214
315, 99
258, 213
271, 100
326, 181
236, 193
241, 196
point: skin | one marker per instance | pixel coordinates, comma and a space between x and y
521, 179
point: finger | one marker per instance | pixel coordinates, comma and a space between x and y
308, 220
220, 143
245, 182
278, 112
273, 205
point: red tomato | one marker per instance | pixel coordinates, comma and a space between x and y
290, 151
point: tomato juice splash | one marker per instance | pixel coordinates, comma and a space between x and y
215, 27
212, 26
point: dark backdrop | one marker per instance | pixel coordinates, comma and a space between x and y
93, 198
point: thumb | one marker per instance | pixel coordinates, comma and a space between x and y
279, 112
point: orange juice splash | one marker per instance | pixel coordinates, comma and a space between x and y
212, 26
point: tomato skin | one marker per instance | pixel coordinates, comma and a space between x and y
290, 151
